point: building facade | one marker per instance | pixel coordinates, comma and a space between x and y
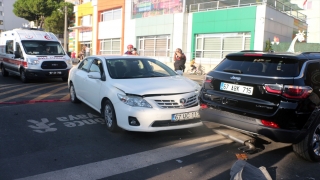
8, 20
205, 31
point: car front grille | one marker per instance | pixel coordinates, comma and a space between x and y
166, 123
53, 65
172, 104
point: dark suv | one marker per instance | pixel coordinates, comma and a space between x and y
271, 94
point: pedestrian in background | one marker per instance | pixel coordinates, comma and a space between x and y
179, 60
129, 49
135, 52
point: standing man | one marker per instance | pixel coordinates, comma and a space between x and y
129, 49
179, 60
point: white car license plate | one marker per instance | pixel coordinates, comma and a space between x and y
185, 116
248, 90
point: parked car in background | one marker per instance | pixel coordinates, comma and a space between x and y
135, 93
271, 94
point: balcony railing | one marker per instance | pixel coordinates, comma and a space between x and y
291, 10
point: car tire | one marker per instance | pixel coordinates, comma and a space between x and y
309, 147
4, 72
23, 77
109, 116
73, 95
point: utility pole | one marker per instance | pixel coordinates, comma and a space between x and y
65, 42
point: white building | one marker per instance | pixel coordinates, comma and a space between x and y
8, 20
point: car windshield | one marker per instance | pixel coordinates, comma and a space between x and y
262, 66
137, 68
42, 48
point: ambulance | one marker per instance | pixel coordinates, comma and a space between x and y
33, 54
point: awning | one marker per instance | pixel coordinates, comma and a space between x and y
81, 28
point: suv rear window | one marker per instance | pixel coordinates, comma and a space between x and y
262, 66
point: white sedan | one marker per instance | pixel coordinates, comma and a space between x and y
135, 93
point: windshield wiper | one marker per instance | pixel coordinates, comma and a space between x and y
233, 71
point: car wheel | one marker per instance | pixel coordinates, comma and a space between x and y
23, 77
73, 95
4, 72
309, 147
109, 116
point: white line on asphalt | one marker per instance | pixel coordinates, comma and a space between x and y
103, 169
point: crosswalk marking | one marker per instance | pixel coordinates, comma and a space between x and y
66, 97
106, 168
16, 89
28, 92
42, 96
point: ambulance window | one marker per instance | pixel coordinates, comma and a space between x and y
18, 49
9, 47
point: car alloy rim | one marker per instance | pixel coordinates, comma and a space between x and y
72, 93
316, 141
108, 115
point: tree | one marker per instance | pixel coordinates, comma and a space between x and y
55, 22
40, 10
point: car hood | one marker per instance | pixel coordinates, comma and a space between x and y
158, 85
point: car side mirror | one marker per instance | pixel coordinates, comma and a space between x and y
94, 75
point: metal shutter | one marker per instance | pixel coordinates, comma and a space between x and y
247, 43
199, 43
212, 43
212, 54
232, 43
116, 44
149, 47
106, 45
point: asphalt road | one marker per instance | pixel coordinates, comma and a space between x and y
62, 140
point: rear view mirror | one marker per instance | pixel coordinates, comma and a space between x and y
94, 75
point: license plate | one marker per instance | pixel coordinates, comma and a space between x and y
185, 116
248, 90
55, 73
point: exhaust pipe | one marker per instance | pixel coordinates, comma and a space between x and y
248, 147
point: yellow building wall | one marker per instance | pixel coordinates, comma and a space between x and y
83, 10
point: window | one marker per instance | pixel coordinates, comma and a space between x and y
110, 46
262, 66
86, 20
154, 46
1, 13
0, 3
111, 15
217, 46
1, 22
9, 46
85, 64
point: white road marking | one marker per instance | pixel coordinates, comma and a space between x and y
103, 169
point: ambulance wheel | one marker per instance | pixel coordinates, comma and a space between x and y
23, 77
4, 72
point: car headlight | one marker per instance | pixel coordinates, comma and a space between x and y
134, 101
33, 61
68, 61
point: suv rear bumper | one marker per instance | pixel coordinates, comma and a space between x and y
251, 125
34, 74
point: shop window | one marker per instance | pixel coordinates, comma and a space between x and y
154, 46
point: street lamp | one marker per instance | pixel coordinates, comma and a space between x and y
65, 28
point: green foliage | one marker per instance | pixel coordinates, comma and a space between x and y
45, 13
298, 47
268, 46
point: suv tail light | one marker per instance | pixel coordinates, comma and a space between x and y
289, 91
208, 79
269, 123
